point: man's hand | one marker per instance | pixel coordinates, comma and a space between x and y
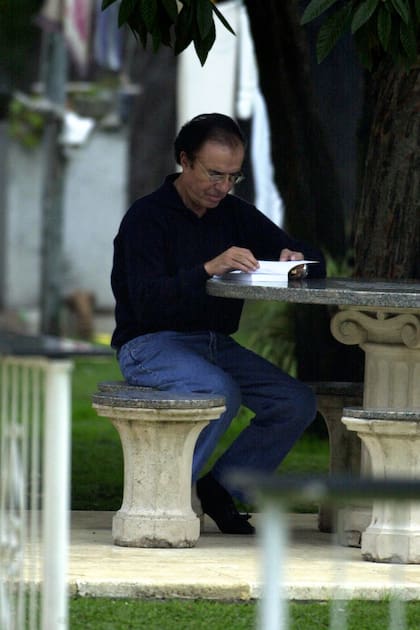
296, 272
288, 254
234, 258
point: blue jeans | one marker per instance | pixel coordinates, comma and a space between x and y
213, 363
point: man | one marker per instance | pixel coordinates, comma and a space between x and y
170, 334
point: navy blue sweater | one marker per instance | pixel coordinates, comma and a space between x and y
158, 276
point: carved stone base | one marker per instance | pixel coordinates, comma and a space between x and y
392, 439
158, 434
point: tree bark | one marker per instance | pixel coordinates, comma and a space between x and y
387, 224
305, 174
304, 170
152, 128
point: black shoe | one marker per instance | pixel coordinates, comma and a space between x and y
219, 505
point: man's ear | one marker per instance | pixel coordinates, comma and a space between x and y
184, 161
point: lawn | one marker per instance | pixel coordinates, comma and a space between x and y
113, 614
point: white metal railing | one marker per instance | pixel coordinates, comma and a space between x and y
34, 492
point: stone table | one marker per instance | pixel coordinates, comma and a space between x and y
382, 317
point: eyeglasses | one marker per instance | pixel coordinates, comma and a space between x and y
218, 178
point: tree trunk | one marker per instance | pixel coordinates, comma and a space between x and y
304, 170
152, 125
387, 224
305, 175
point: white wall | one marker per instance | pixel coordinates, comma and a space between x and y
95, 201
94, 204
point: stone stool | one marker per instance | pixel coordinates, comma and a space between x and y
392, 439
345, 451
158, 432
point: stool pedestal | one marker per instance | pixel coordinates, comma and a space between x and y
158, 445
345, 456
392, 439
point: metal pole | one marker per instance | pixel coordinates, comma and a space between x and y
4, 145
55, 78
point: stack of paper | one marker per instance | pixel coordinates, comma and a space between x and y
269, 271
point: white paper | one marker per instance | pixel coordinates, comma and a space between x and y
268, 271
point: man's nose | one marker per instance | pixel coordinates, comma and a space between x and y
226, 184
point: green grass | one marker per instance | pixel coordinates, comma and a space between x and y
97, 465
115, 614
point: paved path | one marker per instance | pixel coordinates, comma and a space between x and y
227, 567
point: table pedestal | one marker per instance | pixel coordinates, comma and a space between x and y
392, 440
391, 343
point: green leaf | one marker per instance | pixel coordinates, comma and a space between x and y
384, 26
148, 11
106, 4
156, 40
315, 8
204, 17
417, 9
203, 46
409, 43
402, 9
183, 29
165, 25
127, 7
331, 31
394, 40
363, 49
223, 19
363, 13
137, 26
171, 9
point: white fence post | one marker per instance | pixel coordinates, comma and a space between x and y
56, 503
273, 608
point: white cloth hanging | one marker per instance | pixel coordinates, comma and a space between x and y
228, 84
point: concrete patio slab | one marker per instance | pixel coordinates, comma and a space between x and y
226, 567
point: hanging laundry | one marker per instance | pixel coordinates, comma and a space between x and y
108, 37
77, 29
74, 17
50, 15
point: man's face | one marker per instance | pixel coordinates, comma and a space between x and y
214, 161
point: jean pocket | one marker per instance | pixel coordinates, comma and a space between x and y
137, 355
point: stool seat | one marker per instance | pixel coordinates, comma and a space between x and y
147, 398
337, 388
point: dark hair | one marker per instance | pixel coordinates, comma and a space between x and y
196, 132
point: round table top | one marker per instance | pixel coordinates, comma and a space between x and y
399, 294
